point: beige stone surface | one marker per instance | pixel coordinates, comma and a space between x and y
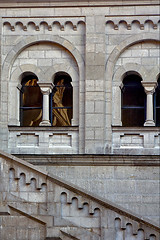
35, 204
97, 43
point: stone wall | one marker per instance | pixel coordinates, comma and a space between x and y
135, 188
96, 46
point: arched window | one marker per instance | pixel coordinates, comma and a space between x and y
61, 100
30, 101
133, 101
157, 104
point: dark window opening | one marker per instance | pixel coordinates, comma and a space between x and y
157, 105
30, 102
133, 102
61, 100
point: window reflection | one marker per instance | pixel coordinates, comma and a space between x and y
61, 101
133, 102
31, 102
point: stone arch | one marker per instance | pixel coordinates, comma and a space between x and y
61, 68
147, 76
126, 43
28, 41
15, 86
153, 75
117, 51
117, 85
49, 74
12, 55
135, 67
27, 68
110, 65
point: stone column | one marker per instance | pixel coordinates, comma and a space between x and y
75, 121
149, 88
46, 89
116, 107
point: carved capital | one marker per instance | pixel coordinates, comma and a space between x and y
149, 87
46, 88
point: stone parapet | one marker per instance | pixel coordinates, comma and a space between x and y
138, 141
43, 140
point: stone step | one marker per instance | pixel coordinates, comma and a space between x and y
4, 210
58, 201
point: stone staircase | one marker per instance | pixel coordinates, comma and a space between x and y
35, 205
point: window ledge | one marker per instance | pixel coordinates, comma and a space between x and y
42, 128
135, 129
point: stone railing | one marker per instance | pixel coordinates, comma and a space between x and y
37, 205
135, 141
43, 140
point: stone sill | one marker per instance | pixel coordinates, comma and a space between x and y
42, 128
135, 129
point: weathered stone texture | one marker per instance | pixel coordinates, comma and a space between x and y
37, 205
96, 43
132, 187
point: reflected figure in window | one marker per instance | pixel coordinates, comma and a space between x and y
31, 102
59, 111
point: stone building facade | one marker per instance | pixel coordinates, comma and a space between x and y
79, 119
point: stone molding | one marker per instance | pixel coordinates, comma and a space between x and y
128, 22
44, 75
17, 73
134, 67
46, 88
55, 3
58, 67
139, 141
61, 23
91, 160
117, 51
28, 41
43, 140
149, 87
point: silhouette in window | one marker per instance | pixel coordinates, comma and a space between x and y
133, 102
62, 101
30, 102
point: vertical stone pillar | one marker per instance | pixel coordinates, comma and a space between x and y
4, 79
94, 83
149, 88
116, 107
46, 89
75, 121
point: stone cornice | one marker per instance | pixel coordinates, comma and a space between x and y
92, 160
73, 3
